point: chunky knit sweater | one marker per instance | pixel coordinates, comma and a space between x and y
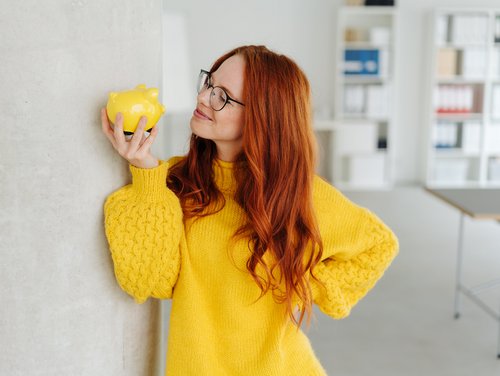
218, 326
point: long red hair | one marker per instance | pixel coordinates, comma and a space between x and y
275, 184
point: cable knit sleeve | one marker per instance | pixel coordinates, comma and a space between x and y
144, 226
358, 248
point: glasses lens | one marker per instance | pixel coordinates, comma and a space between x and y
202, 82
218, 98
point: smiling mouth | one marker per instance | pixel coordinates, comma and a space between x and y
200, 114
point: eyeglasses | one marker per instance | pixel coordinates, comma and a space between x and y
218, 96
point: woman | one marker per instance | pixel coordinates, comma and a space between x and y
240, 233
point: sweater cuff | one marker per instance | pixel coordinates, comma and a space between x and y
150, 182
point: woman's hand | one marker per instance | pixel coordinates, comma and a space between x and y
137, 149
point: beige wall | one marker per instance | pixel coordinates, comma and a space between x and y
62, 313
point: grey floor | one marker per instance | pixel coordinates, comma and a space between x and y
405, 325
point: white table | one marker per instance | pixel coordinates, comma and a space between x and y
476, 203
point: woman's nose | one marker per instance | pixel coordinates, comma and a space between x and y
204, 96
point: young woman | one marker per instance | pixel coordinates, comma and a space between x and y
240, 233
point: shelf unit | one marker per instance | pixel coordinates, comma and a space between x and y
463, 98
364, 109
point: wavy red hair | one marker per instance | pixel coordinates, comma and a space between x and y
275, 185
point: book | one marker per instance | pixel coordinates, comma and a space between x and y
361, 62
379, 3
495, 103
354, 100
473, 63
492, 139
377, 101
447, 62
442, 28
471, 137
380, 35
455, 99
497, 29
465, 29
494, 169
445, 135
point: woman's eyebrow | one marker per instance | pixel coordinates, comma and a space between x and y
225, 88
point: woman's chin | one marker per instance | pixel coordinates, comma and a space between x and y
195, 128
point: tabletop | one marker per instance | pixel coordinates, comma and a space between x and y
481, 203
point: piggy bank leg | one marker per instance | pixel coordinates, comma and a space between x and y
128, 135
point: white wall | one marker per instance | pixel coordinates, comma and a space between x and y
305, 30
62, 312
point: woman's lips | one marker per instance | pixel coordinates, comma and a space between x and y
200, 115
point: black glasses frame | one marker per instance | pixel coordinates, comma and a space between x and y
209, 86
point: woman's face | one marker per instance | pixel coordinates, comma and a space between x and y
224, 127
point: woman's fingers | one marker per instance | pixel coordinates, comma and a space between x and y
131, 148
149, 141
118, 130
106, 128
138, 134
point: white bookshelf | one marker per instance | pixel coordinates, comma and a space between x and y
364, 109
463, 98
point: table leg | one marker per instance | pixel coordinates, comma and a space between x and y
458, 281
498, 343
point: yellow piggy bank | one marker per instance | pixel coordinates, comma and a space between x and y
133, 104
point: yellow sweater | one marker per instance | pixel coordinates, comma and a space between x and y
217, 325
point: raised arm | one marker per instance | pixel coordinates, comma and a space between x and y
144, 228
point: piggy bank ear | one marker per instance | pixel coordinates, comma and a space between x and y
141, 87
152, 93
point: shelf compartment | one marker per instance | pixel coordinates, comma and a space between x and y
452, 138
494, 169
455, 170
458, 99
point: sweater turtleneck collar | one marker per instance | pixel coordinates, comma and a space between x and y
224, 175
